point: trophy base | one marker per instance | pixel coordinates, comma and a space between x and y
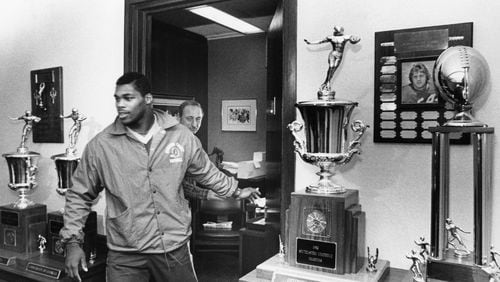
23, 203
20, 228
452, 268
464, 119
461, 253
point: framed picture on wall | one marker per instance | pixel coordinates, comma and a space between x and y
169, 104
239, 115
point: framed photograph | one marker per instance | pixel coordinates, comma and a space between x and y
416, 83
239, 115
406, 102
169, 104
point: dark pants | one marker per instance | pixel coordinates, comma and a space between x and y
173, 266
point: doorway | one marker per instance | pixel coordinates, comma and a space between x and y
281, 91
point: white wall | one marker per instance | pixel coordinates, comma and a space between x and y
394, 180
86, 39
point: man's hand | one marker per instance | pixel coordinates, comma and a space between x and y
75, 257
249, 193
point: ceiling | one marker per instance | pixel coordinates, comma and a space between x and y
256, 12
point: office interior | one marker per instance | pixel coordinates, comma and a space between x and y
87, 39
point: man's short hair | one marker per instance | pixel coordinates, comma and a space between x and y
138, 80
419, 67
189, 103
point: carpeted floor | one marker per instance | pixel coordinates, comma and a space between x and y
217, 267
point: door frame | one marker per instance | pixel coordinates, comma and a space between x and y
138, 22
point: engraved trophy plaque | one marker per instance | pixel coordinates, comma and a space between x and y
22, 221
460, 77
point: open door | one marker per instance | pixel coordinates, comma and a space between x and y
282, 76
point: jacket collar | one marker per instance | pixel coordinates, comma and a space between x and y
164, 120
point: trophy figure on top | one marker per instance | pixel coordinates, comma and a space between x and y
67, 162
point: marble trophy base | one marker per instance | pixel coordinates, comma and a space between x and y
276, 268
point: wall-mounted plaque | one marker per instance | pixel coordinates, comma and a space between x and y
46, 103
406, 100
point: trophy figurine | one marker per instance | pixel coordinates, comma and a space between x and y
23, 164
460, 74
67, 162
338, 40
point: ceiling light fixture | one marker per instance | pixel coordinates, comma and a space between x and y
224, 19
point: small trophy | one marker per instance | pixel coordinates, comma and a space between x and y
23, 220
23, 164
67, 162
460, 75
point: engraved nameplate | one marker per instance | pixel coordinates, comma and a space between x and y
9, 218
317, 253
43, 270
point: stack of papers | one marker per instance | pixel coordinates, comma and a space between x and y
227, 225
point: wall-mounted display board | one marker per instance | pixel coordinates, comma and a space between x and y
405, 99
46, 103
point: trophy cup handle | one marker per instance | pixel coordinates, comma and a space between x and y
32, 174
359, 129
299, 143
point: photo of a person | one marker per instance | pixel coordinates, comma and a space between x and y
419, 88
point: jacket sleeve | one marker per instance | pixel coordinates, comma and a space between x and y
192, 191
206, 173
79, 198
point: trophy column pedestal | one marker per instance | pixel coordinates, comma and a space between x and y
443, 264
450, 269
19, 230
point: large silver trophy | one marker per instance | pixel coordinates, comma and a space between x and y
22, 164
67, 162
460, 75
326, 122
